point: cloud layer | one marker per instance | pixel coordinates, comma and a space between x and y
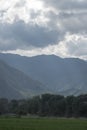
21, 35
44, 26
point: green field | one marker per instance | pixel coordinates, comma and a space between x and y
42, 124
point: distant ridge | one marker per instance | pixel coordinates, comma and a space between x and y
62, 76
14, 84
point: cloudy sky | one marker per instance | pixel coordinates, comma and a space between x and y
34, 27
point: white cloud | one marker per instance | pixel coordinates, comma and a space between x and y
11, 11
34, 27
72, 46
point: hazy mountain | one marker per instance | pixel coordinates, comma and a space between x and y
64, 76
15, 84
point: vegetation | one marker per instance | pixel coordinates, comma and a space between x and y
47, 105
42, 124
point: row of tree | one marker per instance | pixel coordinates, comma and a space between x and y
47, 105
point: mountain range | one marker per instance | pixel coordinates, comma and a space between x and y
57, 75
14, 84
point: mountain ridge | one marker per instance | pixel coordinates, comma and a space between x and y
15, 84
58, 74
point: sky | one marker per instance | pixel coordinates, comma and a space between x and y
35, 27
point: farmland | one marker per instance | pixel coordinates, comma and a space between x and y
42, 124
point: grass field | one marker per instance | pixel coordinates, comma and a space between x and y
42, 124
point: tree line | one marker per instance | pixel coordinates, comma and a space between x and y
46, 105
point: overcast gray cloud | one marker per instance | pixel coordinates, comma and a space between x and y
21, 35
67, 4
43, 25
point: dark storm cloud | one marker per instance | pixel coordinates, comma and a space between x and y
21, 35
